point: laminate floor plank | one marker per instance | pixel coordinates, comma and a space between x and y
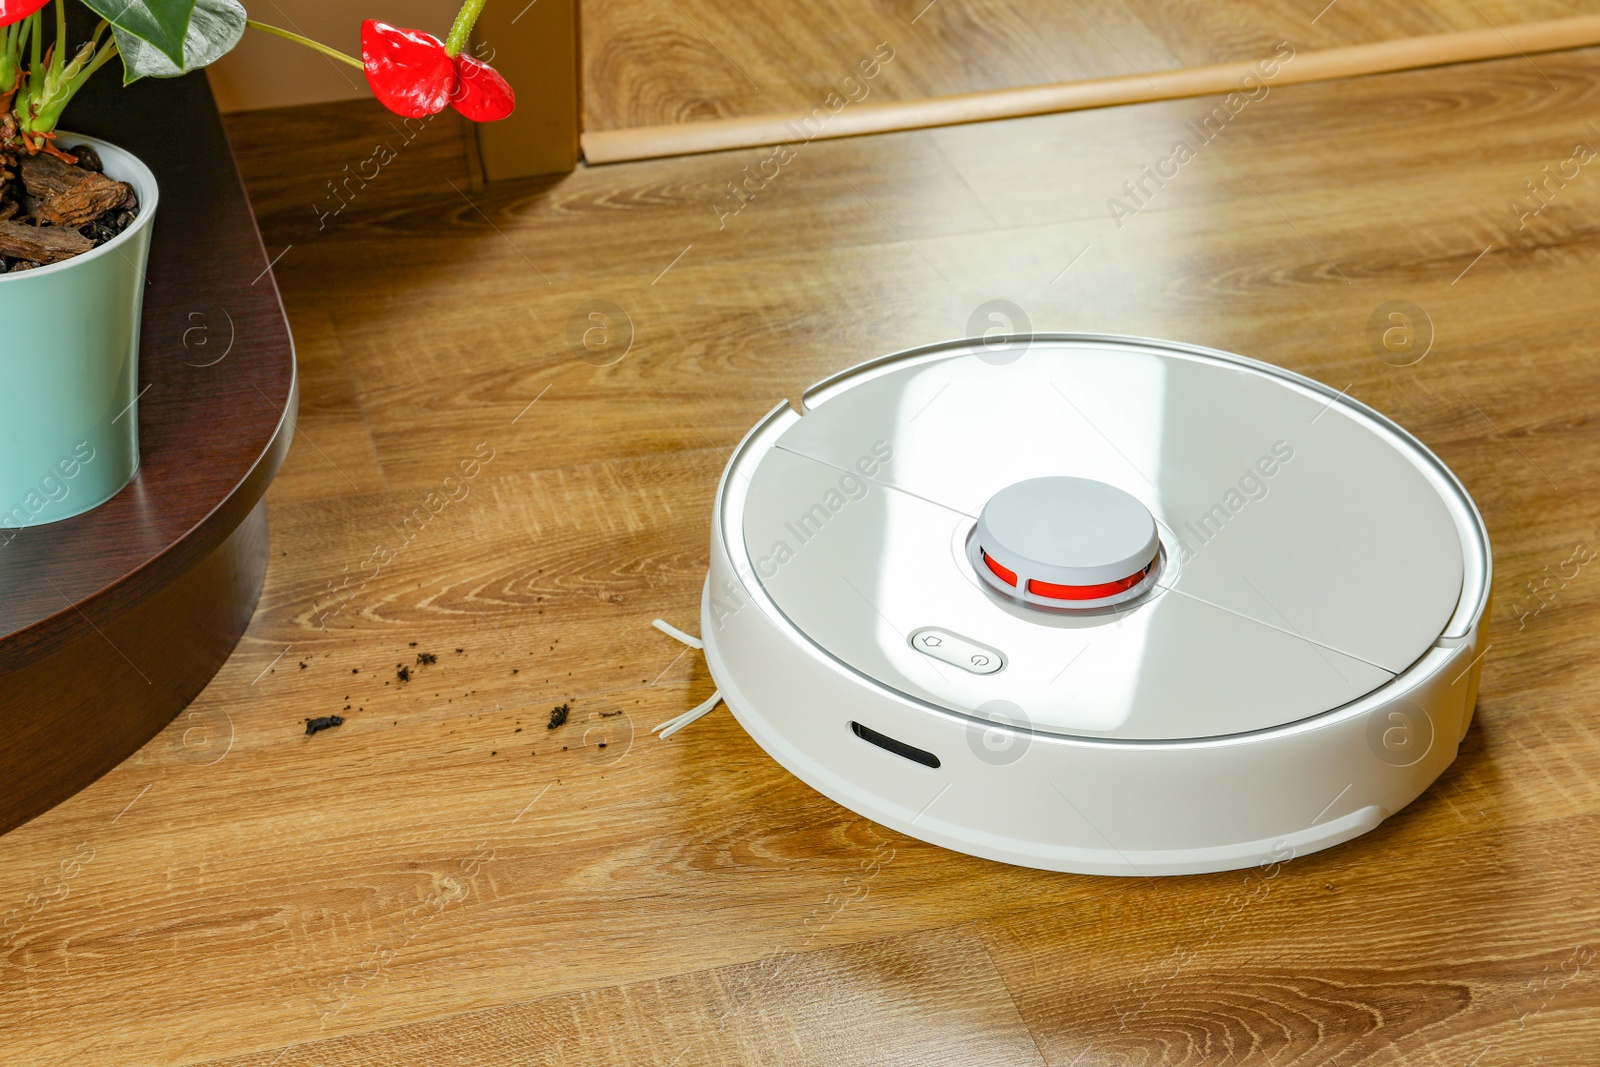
928, 999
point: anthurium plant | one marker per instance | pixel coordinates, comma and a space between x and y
411, 72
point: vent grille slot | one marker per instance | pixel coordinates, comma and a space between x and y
899, 748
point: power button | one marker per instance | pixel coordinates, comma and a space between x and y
957, 651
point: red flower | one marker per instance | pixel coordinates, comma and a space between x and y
408, 70
412, 74
16, 10
484, 95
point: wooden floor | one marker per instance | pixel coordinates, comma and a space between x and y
649, 62
444, 880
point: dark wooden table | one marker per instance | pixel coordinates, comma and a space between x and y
111, 622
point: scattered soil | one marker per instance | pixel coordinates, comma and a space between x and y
425, 658
558, 716
323, 722
402, 672
51, 210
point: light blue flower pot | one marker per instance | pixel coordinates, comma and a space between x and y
69, 367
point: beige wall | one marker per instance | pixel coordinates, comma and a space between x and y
267, 71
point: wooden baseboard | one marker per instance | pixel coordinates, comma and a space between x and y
853, 120
363, 159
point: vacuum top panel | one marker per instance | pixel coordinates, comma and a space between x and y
1304, 552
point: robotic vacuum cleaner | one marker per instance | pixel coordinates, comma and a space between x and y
1097, 604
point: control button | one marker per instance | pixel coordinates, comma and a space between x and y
957, 651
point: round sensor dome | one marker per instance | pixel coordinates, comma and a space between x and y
1066, 542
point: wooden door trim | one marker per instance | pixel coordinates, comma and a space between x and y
536, 46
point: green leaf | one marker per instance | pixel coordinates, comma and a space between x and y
214, 28
161, 23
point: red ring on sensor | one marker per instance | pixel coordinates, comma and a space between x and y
1084, 592
1009, 577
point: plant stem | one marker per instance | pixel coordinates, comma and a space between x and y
331, 53
461, 28
101, 57
59, 51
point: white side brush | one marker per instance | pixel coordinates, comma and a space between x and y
673, 725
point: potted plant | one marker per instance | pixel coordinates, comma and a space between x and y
76, 214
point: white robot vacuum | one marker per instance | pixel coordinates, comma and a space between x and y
1097, 604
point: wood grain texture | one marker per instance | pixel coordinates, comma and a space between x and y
835, 117
365, 157
936, 999
111, 621
444, 879
648, 63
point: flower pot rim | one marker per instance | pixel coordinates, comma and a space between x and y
147, 208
